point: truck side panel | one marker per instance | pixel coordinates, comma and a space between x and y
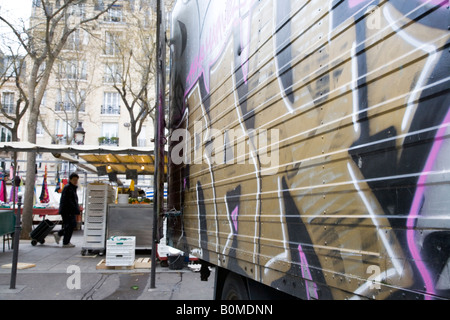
310, 142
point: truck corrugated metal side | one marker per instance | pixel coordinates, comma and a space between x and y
309, 146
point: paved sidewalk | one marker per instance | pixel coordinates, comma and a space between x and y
64, 274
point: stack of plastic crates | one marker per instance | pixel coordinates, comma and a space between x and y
120, 251
98, 197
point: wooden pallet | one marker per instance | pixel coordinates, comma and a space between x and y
20, 266
143, 263
102, 266
140, 263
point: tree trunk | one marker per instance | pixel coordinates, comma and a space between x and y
14, 135
27, 214
47, 49
134, 136
134, 139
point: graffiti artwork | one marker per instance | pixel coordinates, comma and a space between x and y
310, 144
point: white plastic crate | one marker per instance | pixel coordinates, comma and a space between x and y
98, 196
120, 251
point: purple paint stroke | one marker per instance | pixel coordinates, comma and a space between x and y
436, 2
354, 3
306, 274
218, 35
234, 217
416, 206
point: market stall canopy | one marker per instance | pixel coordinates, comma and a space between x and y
124, 163
114, 159
77, 149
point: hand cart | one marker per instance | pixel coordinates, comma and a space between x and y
41, 231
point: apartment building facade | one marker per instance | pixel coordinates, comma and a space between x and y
103, 79
101, 71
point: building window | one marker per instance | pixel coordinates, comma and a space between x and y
111, 103
39, 159
142, 141
112, 43
73, 70
113, 73
110, 134
73, 41
5, 134
147, 18
62, 130
114, 14
71, 101
78, 10
8, 102
10, 66
39, 129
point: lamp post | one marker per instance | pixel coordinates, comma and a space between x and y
79, 134
158, 197
16, 240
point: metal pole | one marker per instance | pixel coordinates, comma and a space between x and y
16, 231
158, 196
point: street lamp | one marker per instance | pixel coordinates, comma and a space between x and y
79, 134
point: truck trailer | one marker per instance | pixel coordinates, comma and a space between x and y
309, 146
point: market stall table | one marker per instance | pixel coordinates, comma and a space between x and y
7, 223
42, 213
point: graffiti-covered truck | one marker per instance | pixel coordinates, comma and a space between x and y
309, 146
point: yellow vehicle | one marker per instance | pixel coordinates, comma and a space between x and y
309, 146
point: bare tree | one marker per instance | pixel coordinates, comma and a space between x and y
132, 69
52, 23
72, 90
12, 75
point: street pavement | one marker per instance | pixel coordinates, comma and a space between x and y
64, 274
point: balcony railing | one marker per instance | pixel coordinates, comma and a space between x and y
110, 110
112, 79
67, 106
104, 141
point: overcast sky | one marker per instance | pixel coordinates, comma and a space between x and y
16, 12
15, 8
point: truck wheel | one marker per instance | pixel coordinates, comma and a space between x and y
234, 288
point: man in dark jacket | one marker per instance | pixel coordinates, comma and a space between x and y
68, 209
